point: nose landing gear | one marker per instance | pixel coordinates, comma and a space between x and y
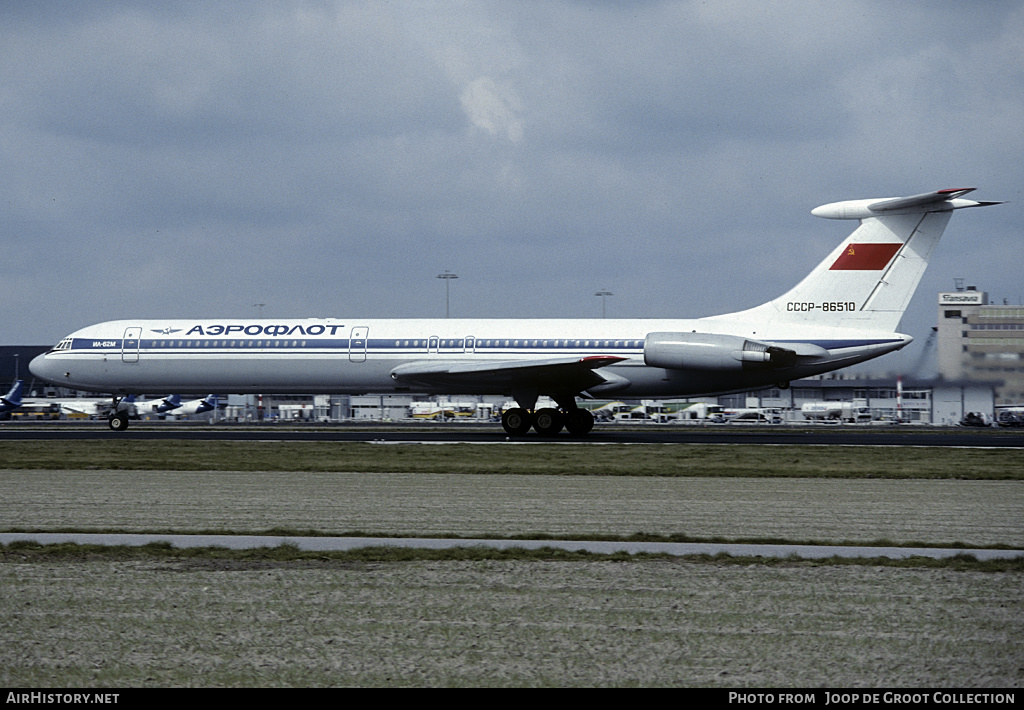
117, 420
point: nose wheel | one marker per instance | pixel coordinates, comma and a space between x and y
118, 421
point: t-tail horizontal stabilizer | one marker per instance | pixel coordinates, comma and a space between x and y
866, 283
940, 200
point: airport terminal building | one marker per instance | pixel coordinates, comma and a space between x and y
982, 342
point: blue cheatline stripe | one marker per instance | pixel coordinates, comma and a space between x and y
377, 344
452, 346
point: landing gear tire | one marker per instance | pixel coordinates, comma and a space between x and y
579, 422
118, 422
548, 421
516, 421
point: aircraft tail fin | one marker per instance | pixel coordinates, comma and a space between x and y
209, 403
868, 280
12, 400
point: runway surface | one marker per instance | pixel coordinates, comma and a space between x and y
853, 435
326, 544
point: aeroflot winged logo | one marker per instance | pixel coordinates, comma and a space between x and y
865, 257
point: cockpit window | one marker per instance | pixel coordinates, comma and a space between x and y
62, 345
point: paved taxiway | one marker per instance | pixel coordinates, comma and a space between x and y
853, 435
677, 549
440, 434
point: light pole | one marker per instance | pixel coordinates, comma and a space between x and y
602, 294
447, 276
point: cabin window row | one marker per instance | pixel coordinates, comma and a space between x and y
514, 343
432, 343
226, 343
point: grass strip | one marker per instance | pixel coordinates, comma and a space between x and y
290, 555
554, 460
635, 537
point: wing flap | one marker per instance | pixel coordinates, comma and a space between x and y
571, 373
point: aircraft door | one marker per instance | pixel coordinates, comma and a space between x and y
357, 343
130, 345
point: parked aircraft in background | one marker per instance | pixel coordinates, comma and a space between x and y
152, 407
844, 312
606, 411
53, 408
196, 406
77, 407
12, 400
171, 404
91, 407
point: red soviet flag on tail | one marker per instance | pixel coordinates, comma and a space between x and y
865, 257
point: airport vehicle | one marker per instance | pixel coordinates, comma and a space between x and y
34, 410
646, 410
978, 419
844, 312
12, 400
443, 410
1010, 417
835, 411
746, 415
699, 411
296, 412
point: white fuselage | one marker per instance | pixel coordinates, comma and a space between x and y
352, 356
845, 311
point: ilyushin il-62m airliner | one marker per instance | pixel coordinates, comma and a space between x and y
844, 312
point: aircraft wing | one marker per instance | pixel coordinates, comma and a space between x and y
575, 374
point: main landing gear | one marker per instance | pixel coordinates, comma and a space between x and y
547, 421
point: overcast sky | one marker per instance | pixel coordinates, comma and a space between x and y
192, 159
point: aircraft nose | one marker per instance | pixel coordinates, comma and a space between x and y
44, 368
